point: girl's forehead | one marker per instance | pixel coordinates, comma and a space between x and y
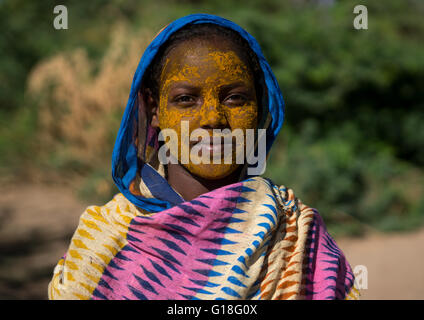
197, 59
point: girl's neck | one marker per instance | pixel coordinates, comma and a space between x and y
190, 186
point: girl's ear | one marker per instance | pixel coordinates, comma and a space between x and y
152, 107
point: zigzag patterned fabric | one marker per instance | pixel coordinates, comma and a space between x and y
248, 240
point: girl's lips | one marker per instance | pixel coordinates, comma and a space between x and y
214, 145
213, 148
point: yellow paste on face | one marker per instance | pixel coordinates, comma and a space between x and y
205, 100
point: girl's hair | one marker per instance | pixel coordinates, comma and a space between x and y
205, 31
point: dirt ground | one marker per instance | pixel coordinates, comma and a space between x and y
37, 222
394, 264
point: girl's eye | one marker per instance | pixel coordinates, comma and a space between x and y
236, 99
184, 99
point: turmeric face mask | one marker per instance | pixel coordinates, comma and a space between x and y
204, 86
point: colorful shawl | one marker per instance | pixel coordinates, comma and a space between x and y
248, 240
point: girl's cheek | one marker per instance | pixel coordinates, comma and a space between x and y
244, 117
172, 117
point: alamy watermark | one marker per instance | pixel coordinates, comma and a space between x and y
361, 20
224, 146
361, 277
61, 20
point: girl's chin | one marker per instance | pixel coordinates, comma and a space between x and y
212, 171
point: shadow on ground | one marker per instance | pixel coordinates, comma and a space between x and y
36, 225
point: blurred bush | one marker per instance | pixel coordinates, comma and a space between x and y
352, 143
80, 105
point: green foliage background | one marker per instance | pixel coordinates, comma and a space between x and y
352, 145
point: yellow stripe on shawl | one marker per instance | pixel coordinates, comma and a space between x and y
102, 231
353, 294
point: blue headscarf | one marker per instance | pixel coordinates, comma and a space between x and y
125, 162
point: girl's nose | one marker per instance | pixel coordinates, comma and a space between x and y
213, 115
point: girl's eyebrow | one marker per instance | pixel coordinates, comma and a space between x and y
182, 85
240, 86
233, 85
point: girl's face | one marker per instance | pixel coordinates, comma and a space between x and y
210, 87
